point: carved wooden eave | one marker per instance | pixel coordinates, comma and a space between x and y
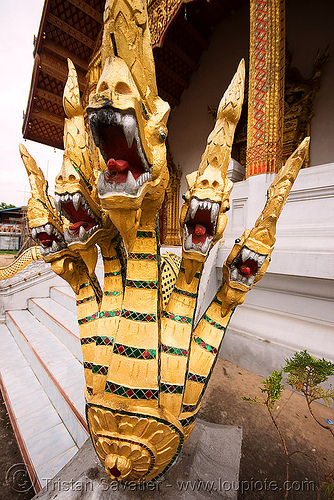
72, 29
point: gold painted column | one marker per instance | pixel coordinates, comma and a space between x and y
266, 87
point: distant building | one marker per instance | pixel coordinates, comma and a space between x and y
11, 227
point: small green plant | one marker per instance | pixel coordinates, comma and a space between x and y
304, 374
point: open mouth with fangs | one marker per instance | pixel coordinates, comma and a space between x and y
200, 225
116, 134
245, 266
84, 223
49, 238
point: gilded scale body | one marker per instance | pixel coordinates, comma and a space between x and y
146, 365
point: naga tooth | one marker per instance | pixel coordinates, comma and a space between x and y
57, 202
48, 229
130, 185
76, 200
82, 234
261, 259
205, 246
214, 212
234, 274
34, 232
188, 242
54, 246
129, 129
194, 204
245, 254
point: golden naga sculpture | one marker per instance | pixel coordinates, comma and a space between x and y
146, 364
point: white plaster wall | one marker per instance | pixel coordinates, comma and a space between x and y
190, 122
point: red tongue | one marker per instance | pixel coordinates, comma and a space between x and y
117, 165
245, 271
200, 230
77, 225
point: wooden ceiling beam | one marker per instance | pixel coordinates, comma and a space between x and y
181, 54
42, 114
194, 34
67, 28
169, 72
87, 9
49, 96
57, 68
63, 52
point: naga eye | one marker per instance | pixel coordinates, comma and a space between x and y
162, 136
237, 240
184, 196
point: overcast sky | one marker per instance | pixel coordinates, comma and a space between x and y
19, 22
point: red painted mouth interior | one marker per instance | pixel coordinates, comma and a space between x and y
248, 268
78, 217
200, 226
119, 158
46, 240
115, 472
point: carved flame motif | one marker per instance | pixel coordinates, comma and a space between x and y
146, 365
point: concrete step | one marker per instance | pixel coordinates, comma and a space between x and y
44, 440
59, 320
57, 369
64, 296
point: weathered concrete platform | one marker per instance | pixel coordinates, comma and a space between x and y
207, 468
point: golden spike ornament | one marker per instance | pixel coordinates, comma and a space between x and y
146, 363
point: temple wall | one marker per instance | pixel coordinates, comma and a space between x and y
292, 307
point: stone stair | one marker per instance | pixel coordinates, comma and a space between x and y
42, 382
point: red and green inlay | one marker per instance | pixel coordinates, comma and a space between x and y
143, 256
109, 314
177, 317
86, 299
87, 319
129, 392
111, 294
189, 420
136, 316
87, 340
185, 293
205, 346
134, 352
187, 408
171, 388
145, 234
194, 377
104, 340
88, 365
113, 273
150, 285
177, 351
100, 369
213, 323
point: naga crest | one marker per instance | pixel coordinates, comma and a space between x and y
127, 118
146, 363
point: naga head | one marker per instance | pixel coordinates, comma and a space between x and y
251, 253
128, 119
203, 218
45, 221
76, 195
